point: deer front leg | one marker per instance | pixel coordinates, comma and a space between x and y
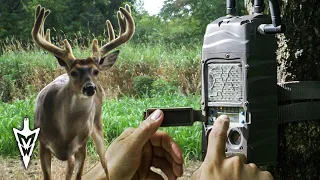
97, 137
80, 156
70, 167
45, 160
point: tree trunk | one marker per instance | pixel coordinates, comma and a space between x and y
298, 59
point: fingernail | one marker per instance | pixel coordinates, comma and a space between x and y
155, 115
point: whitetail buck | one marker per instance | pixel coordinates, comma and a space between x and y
68, 110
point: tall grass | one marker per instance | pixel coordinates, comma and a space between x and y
118, 114
24, 73
25, 70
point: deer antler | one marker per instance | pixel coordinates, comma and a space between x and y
45, 43
127, 27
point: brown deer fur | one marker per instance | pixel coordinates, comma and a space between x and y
68, 110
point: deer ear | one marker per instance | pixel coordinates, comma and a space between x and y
107, 61
61, 62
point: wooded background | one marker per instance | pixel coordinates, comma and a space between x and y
180, 21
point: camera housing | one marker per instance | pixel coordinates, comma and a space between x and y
239, 79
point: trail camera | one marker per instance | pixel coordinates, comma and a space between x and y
239, 79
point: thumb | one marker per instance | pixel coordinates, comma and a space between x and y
148, 127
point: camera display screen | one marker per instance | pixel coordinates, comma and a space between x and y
235, 114
225, 82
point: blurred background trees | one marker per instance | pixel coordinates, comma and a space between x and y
69, 18
180, 21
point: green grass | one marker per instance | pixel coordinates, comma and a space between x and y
24, 73
11, 116
118, 114
13, 61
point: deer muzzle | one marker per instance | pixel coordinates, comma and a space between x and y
89, 89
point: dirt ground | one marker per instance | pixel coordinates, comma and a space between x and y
14, 169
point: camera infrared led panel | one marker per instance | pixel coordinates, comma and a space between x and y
225, 82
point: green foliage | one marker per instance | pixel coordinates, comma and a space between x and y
179, 23
23, 73
162, 86
68, 18
118, 114
11, 116
15, 20
149, 86
192, 16
17, 72
178, 31
143, 84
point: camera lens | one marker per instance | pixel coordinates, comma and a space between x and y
234, 137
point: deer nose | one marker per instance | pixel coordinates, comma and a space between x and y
89, 89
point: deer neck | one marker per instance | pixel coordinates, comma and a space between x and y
76, 104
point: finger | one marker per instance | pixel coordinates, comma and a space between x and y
255, 171
252, 165
163, 140
265, 175
147, 155
160, 152
146, 159
177, 168
165, 167
154, 176
218, 139
242, 157
148, 127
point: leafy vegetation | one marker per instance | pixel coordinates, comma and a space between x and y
180, 22
118, 114
165, 48
24, 73
143, 84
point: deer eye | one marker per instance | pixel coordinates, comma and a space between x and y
95, 72
74, 74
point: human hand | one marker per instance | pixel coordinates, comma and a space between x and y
217, 166
131, 155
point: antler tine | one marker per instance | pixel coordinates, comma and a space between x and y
128, 8
110, 31
127, 27
38, 36
46, 14
48, 36
121, 22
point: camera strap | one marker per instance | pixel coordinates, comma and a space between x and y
298, 101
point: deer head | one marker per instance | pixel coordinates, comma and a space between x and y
66, 118
83, 72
